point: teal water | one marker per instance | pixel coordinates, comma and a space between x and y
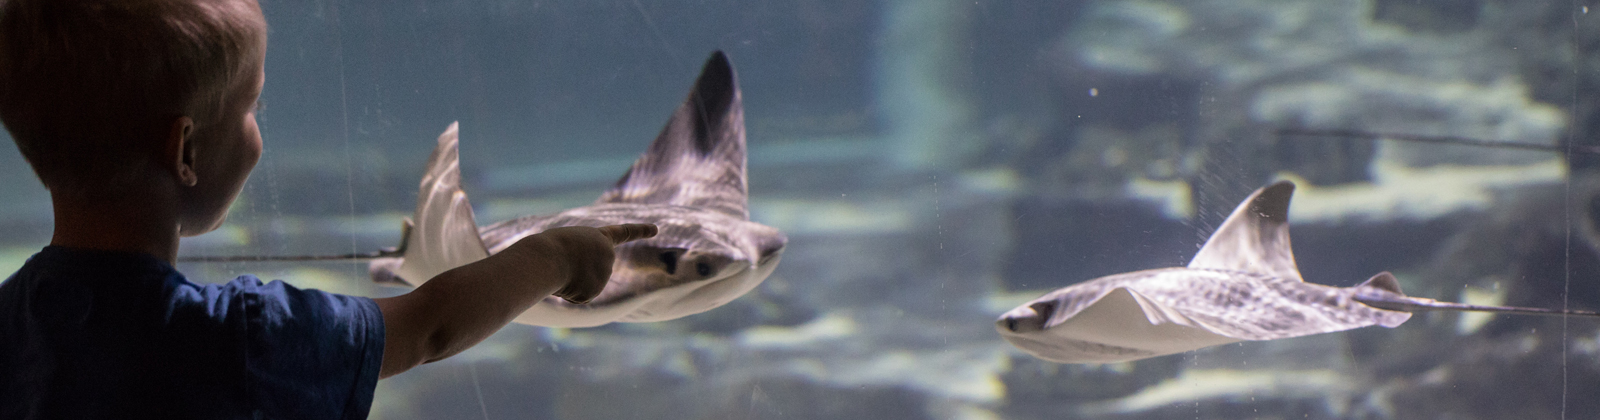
935, 163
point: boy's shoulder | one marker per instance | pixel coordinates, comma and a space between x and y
95, 325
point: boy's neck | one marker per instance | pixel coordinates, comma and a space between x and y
136, 223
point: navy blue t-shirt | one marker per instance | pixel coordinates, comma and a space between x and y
97, 334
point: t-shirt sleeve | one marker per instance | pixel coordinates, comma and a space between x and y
309, 353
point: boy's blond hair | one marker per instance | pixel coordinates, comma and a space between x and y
83, 82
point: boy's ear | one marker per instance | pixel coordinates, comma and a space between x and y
179, 154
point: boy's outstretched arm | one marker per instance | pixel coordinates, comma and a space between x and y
461, 307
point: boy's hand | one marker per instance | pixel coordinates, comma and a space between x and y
462, 306
587, 253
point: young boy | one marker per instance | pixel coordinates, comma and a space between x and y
138, 116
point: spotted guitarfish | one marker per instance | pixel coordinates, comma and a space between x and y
690, 183
1242, 285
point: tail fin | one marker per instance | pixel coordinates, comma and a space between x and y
1382, 291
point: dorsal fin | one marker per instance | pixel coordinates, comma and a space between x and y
699, 157
1385, 282
1255, 238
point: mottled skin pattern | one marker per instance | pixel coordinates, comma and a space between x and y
690, 183
1247, 306
711, 250
1242, 285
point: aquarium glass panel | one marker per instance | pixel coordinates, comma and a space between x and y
929, 172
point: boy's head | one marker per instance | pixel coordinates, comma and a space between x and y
106, 97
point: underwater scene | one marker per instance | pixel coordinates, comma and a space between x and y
942, 209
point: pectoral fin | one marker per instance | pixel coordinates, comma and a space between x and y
443, 233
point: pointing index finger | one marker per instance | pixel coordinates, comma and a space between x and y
628, 232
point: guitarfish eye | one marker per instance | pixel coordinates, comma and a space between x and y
703, 268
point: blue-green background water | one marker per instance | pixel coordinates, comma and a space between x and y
937, 162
